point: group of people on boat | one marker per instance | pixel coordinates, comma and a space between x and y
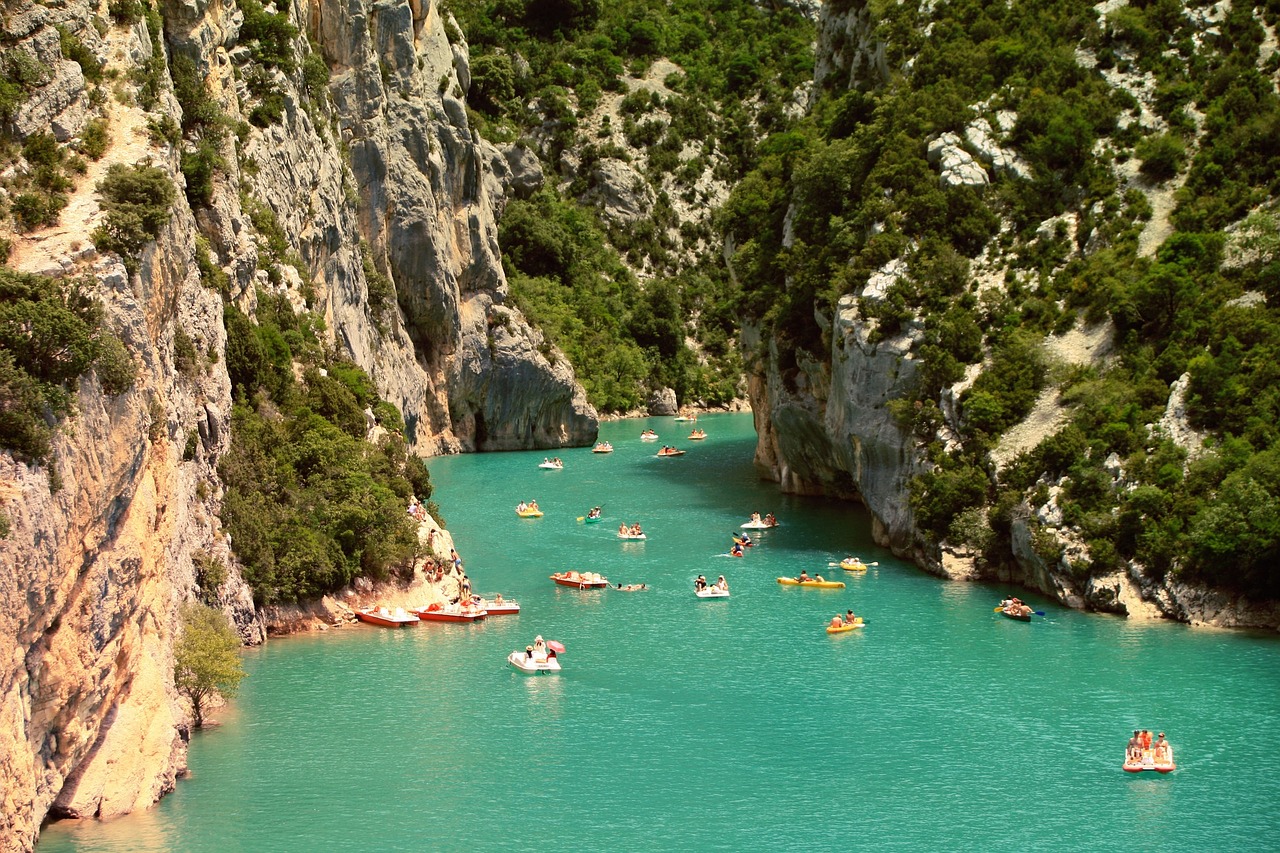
1141, 748
633, 530
648, 433
804, 577
527, 506
669, 450
539, 651
554, 460
700, 583
603, 447
767, 521
594, 512
848, 618
1014, 606
697, 434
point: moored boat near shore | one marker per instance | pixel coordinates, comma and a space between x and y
496, 605
450, 613
385, 618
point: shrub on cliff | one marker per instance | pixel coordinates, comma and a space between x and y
138, 202
310, 505
51, 333
206, 659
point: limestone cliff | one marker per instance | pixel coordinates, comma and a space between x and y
371, 181
834, 414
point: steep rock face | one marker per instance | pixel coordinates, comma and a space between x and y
93, 570
848, 54
101, 542
824, 429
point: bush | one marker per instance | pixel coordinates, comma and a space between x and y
95, 138
1162, 156
137, 200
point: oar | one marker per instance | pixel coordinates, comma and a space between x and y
833, 565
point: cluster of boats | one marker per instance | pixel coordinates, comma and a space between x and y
477, 607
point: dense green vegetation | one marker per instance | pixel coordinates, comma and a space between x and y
51, 334
859, 192
311, 505
539, 70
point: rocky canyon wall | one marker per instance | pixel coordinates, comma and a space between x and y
374, 178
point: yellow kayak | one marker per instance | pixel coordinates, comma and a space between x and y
848, 626
853, 565
530, 513
818, 584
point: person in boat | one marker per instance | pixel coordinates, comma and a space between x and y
755, 517
546, 460
522, 506
700, 583
1146, 742
623, 530
770, 520
804, 577
528, 654
539, 646
1160, 750
837, 622
736, 550
849, 618
594, 513
533, 505
635, 529
1134, 750
722, 584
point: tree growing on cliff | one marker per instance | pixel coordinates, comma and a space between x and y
206, 659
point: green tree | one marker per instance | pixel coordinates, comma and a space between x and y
206, 662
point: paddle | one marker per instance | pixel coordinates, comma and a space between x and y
833, 565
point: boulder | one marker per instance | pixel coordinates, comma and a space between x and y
663, 402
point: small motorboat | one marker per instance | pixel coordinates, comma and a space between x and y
648, 435
633, 537
533, 664
758, 523
670, 451
529, 512
498, 606
711, 592
437, 612
815, 583
551, 466
397, 618
697, 435
602, 447
846, 626
581, 580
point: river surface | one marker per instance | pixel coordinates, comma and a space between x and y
738, 724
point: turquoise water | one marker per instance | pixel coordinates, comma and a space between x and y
736, 724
